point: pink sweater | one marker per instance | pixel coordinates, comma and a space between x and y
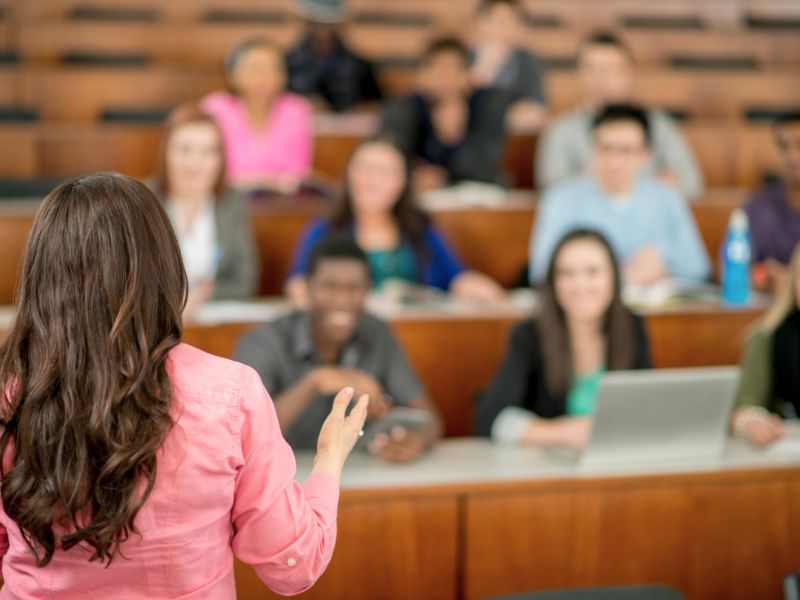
284, 147
225, 485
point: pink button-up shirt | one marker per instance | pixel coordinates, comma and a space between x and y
284, 147
225, 485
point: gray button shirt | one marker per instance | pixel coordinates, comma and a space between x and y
283, 352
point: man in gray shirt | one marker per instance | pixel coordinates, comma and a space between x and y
306, 357
606, 74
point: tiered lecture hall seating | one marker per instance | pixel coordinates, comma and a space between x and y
96, 71
83, 84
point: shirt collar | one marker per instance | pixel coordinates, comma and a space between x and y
304, 347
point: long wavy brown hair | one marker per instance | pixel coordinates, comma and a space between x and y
86, 400
554, 331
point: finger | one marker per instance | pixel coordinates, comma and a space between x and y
341, 402
355, 420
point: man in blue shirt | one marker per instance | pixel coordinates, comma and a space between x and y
647, 222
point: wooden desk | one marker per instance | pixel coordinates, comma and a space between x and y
472, 520
491, 240
457, 347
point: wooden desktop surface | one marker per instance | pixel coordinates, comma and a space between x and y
471, 520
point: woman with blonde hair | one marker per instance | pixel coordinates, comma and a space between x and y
770, 384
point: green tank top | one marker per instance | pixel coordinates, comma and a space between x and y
397, 263
583, 395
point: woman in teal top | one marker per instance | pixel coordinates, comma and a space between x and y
545, 390
582, 396
377, 208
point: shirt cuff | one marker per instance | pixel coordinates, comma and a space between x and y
510, 425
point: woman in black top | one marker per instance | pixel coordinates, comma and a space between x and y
544, 391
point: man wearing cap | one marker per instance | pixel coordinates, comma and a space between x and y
322, 66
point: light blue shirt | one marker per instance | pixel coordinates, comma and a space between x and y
654, 214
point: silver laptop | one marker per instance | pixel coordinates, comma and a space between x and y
661, 415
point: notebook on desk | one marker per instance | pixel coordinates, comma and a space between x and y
644, 417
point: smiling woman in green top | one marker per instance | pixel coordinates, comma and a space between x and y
544, 392
769, 387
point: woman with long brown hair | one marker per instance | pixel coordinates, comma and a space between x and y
544, 391
210, 219
135, 466
377, 208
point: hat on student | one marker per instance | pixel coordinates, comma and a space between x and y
321, 11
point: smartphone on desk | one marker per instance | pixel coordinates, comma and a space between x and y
410, 419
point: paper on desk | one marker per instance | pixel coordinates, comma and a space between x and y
468, 194
668, 291
231, 311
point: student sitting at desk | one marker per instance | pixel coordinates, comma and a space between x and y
451, 130
774, 210
304, 356
605, 70
210, 220
499, 61
770, 381
647, 222
322, 66
268, 131
377, 209
544, 391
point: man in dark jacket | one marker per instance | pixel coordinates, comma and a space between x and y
451, 131
322, 67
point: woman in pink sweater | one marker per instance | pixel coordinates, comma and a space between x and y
136, 466
268, 131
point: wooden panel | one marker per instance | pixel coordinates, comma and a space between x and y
79, 94
794, 524
455, 358
331, 153
19, 151
759, 156
13, 236
129, 151
733, 537
388, 549
10, 85
277, 233
614, 535
493, 242
699, 339
518, 542
741, 541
